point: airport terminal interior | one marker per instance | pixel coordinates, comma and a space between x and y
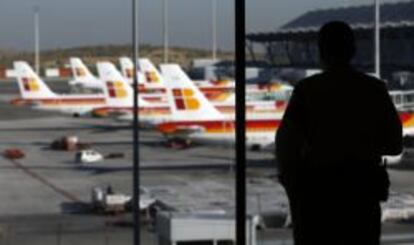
69, 107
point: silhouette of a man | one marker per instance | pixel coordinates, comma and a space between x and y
337, 126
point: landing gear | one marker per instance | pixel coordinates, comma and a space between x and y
256, 147
179, 143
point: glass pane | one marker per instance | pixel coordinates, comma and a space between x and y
67, 135
283, 36
187, 158
59, 161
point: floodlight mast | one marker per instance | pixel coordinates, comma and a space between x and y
136, 177
36, 11
165, 30
377, 39
214, 29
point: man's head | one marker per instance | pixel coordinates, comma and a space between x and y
336, 44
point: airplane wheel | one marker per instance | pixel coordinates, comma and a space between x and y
76, 115
256, 148
179, 143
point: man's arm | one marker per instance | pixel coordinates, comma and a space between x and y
290, 138
392, 130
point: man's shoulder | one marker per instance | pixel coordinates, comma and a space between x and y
310, 81
370, 82
368, 78
353, 77
314, 79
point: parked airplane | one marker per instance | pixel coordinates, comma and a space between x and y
120, 97
224, 101
219, 93
153, 85
150, 82
127, 71
195, 118
254, 109
407, 120
36, 93
82, 76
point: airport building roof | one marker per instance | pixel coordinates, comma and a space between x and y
393, 15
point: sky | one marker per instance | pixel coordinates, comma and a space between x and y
74, 23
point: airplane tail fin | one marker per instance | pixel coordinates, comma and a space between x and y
80, 71
127, 67
127, 70
152, 77
116, 89
30, 84
185, 99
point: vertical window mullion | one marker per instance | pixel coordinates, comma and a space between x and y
240, 64
136, 172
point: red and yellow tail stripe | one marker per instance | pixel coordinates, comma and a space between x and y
30, 84
60, 101
407, 119
150, 111
219, 127
185, 99
221, 82
129, 73
152, 77
80, 72
116, 89
219, 96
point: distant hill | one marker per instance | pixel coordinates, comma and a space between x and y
92, 54
4, 55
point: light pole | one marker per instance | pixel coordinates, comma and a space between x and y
377, 39
165, 29
214, 28
36, 11
136, 177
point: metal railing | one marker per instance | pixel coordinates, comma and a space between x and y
403, 99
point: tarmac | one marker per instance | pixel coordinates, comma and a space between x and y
43, 194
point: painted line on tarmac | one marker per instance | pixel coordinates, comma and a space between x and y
46, 182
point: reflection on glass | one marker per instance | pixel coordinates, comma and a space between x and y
66, 136
288, 44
